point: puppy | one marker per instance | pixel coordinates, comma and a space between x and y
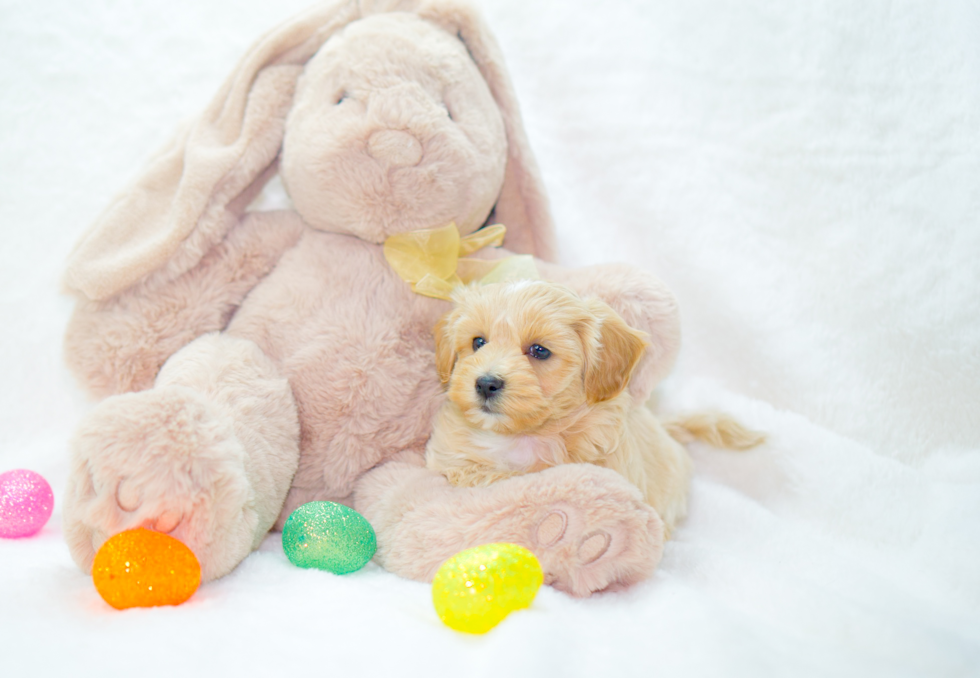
537, 377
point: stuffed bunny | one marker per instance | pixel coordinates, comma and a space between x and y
255, 361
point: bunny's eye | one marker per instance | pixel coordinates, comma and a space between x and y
449, 111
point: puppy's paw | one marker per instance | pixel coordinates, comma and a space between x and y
166, 460
590, 529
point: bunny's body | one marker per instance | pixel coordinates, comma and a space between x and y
257, 361
355, 363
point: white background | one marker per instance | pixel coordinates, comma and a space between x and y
806, 178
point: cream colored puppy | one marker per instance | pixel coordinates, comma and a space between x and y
537, 377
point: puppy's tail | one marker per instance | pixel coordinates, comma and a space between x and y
718, 430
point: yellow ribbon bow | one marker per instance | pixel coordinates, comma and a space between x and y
434, 262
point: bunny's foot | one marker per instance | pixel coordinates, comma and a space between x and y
206, 455
589, 527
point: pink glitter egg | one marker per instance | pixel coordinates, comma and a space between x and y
26, 502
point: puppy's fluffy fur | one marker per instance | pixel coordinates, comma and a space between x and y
537, 377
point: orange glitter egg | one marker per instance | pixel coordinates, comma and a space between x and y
142, 568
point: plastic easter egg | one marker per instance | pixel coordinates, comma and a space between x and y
328, 536
26, 503
143, 568
476, 589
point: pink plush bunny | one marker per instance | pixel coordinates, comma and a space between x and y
254, 361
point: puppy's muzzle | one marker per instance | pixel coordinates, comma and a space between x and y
489, 386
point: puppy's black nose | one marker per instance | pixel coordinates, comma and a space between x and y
488, 386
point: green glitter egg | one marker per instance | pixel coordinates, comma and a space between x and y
476, 589
328, 536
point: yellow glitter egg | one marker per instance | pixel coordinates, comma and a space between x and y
475, 589
142, 568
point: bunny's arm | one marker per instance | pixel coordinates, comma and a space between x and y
118, 344
639, 297
643, 301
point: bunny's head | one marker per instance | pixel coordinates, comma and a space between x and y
380, 119
393, 128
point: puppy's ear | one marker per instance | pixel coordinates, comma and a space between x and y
616, 349
445, 348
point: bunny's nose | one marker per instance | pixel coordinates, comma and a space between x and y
394, 147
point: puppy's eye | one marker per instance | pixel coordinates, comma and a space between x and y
478, 343
538, 351
340, 98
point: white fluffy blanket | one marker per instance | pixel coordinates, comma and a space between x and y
805, 176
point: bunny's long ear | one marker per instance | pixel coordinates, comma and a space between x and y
522, 206
188, 196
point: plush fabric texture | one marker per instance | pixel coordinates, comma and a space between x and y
368, 72
206, 455
801, 176
393, 125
